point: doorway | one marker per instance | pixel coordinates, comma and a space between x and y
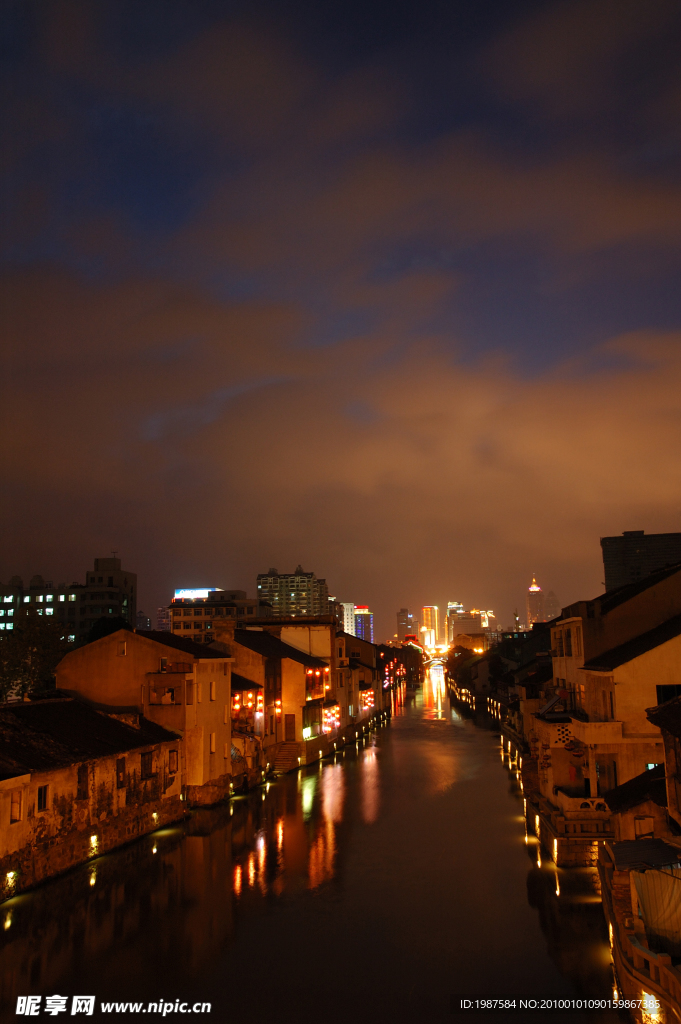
289, 728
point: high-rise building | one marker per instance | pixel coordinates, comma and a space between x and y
143, 621
552, 608
348, 618
364, 623
406, 624
109, 591
163, 620
535, 603
635, 554
430, 619
296, 593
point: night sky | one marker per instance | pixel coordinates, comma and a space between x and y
387, 289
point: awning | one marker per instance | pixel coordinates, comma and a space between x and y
365, 684
240, 683
331, 703
316, 703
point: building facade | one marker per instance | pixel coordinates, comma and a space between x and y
195, 613
348, 617
635, 555
430, 620
296, 593
109, 591
182, 686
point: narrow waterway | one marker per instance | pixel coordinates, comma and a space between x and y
373, 887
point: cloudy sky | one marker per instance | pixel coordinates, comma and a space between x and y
390, 290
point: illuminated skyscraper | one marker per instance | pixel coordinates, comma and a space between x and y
535, 603
430, 619
296, 593
364, 623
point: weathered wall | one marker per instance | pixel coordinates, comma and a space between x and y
70, 831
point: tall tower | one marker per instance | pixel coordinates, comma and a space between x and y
535, 603
431, 620
364, 623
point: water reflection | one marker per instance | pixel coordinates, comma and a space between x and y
411, 837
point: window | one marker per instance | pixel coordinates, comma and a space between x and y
568, 643
42, 798
49, 611
71, 638
580, 694
578, 642
651, 765
15, 808
163, 664
212, 690
49, 597
120, 773
110, 583
225, 720
190, 693
122, 648
27, 600
147, 769
172, 762
198, 693
349, 710
62, 597
7, 600
39, 597
72, 597
558, 643
212, 743
83, 779
10, 625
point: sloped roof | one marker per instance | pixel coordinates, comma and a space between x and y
644, 853
181, 644
667, 716
612, 598
635, 648
649, 785
269, 646
46, 734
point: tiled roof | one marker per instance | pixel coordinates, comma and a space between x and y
612, 598
648, 785
667, 716
644, 853
41, 735
269, 646
635, 648
179, 643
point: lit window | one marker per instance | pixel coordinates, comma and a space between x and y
2, 625
62, 597
10, 625
49, 597
2, 613
10, 611
71, 638
39, 597
40, 611
72, 597
7, 600
27, 600
48, 611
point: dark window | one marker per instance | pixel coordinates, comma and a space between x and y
147, 765
568, 643
110, 583
83, 777
172, 761
42, 798
15, 808
665, 693
120, 773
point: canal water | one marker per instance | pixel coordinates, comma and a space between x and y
378, 886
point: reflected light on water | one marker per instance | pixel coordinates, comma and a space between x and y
333, 792
238, 879
370, 785
308, 787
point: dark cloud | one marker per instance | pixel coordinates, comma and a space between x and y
261, 307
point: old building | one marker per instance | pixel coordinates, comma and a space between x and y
592, 733
75, 783
193, 613
180, 685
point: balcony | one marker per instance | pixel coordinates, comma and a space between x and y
596, 732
